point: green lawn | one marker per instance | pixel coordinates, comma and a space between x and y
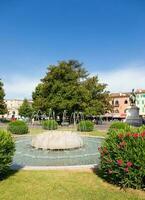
62, 185
95, 133
39, 130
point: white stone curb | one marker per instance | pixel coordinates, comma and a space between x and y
75, 167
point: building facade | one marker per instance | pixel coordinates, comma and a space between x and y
140, 101
13, 107
120, 102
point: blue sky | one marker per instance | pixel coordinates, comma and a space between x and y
108, 36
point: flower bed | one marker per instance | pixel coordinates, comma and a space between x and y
123, 159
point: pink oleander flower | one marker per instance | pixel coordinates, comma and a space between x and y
129, 164
119, 162
143, 134
128, 134
135, 135
126, 169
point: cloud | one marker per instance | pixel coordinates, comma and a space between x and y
124, 79
19, 87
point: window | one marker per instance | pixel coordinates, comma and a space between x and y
126, 102
116, 103
142, 101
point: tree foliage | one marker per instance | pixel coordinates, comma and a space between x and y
25, 109
67, 86
3, 106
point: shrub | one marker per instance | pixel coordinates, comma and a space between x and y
18, 127
7, 148
50, 124
119, 125
85, 125
123, 159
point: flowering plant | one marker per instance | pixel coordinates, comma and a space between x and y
123, 158
117, 125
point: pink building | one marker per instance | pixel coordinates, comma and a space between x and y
120, 102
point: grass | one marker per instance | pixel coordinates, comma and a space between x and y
39, 130
64, 185
95, 133
35, 131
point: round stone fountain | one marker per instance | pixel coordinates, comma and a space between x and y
57, 140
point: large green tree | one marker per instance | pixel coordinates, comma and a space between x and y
3, 106
25, 109
67, 86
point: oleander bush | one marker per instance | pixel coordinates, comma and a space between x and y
122, 159
50, 125
85, 126
120, 126
18, 127
7, 149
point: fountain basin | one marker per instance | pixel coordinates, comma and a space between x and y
57, 140
26, 155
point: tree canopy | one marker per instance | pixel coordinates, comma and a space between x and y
25, 109
3, 106
67, 86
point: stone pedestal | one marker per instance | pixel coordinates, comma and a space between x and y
133, 117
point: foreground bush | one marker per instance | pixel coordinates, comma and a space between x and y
7, 149
119, 125
123, 159
18, 127
50, 125
85, 126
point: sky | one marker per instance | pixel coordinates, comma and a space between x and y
108, 36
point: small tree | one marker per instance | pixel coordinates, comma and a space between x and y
3, 106
25, 109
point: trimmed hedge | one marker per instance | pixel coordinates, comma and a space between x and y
123, 159
18, 127
50, 125
85, 126
7, 149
